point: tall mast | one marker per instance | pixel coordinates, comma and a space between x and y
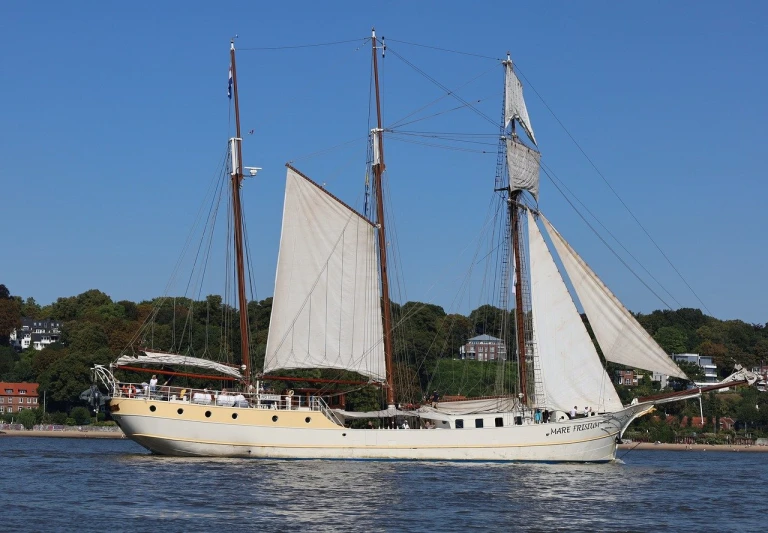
514, 217
514, 214
237, 213
378, 170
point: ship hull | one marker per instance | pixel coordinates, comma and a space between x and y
183, 429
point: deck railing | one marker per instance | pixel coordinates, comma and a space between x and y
225, 398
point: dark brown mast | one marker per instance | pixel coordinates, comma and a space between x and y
514, 219
237, 213
378, 170
514, 215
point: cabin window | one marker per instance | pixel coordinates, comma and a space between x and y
274, 418
499, 422
207, 414
308, 420
152, 408
180, 411
459, 424
478, 422
234, 416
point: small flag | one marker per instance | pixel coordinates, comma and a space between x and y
250, 132
229, 86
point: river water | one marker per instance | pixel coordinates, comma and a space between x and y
56, 484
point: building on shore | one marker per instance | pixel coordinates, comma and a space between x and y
37, 333
15, 397
484, 348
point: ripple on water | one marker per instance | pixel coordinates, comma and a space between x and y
98, 485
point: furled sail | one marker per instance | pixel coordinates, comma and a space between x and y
161, 359
570, 367
622, 339
523, 165
514, 103
327, 310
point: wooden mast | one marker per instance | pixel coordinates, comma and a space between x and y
514, 214
514, 218
378, 170
237, 213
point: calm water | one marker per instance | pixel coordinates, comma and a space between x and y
51, 484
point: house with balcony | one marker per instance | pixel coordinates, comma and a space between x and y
628, 378
35, 332
706, 363
484, 348
15, 397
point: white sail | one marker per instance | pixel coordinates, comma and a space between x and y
514, 103
326, 311
161, 359
570, 367
523, 165
622, 339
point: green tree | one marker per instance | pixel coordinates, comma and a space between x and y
26, 418
671, 339
10, 315
80, 415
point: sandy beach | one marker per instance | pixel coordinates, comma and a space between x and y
67, 433
692, 447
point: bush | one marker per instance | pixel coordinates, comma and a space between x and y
80, 415
26, 418
70, 422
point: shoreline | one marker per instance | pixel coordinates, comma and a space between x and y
66, 433
692, 447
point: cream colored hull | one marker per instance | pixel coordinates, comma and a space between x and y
304, 434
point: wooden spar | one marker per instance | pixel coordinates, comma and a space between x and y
315, 380
686, 392
378, 171
237, 213
519, 318
174, 373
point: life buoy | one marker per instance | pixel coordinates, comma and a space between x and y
290, 392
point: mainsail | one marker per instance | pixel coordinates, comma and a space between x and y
327, 309
570, 367
514, 103
622, 339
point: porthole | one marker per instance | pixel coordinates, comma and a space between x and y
343, 434
152, 408
180, 411
234, 416
274, 418
207, 414
308, 420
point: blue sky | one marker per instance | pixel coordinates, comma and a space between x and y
115, 118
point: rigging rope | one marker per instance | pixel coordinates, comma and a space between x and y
623, 203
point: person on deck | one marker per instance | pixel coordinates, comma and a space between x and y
573, 412
153, 383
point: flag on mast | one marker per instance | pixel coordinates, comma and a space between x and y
229, 85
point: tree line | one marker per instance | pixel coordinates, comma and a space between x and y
97, 329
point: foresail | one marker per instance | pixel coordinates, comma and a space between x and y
514, 103
622, 339
523, 165
162, 359
326, 311
570, 367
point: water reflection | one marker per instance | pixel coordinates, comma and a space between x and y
89, 485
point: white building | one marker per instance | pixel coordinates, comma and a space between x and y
36, 333
705, 362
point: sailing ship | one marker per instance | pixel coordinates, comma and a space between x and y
332, 310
